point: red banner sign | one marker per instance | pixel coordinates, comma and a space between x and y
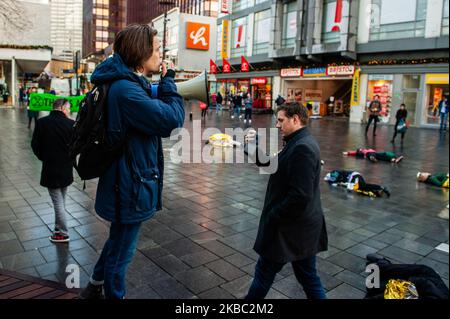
226, 66
245, 66
259, 81
212, 67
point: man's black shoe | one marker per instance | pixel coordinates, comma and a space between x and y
92, 292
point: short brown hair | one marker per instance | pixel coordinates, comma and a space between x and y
59, 103
295, 108
134, 44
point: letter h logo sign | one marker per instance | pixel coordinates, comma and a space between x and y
197, 36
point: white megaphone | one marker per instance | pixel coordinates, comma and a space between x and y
193, 89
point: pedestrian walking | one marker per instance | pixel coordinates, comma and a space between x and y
443, 113
32, 114
400, 123
219, 100
248, 105
51, 137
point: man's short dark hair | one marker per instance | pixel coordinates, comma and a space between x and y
376, 95
59, 103
134, 44
295, 108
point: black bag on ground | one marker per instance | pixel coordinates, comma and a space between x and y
428, 283
89, 142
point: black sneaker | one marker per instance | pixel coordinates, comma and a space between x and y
92, 292
58, 237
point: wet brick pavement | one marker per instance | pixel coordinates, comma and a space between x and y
200, 245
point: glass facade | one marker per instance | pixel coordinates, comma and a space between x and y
238, 36
289, 25
400, 19
444, 30
329, 11
261, 32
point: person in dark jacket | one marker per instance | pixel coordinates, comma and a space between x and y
143, 115
219, 101
374, 113
292, 227
51, 137
400, 117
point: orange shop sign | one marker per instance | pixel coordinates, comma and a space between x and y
197, 36
341, 70
297, 72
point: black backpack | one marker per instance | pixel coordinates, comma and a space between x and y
89, 140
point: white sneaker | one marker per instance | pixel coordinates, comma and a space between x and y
232, 117
250, 121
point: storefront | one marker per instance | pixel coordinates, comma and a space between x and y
419, 87
260, 88
325, 90
437, 86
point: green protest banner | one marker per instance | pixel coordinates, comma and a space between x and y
44, 101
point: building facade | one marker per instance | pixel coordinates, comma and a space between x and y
66, 27
313, 51
190, 41
145, 11
102, 19
25, 46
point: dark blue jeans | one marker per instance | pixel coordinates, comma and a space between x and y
116, 255
444, 117
304, 270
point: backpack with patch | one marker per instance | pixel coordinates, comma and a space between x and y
89, 142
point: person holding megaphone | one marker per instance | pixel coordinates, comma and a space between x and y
139, 115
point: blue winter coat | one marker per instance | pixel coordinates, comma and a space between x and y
134, 113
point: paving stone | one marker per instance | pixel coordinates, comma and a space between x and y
414, 246
22, 260
198, 259
238, 287
169, 288
290, 287
353, 279
182, 247
361, 250
218, 248
345, 291
199, 279
189, 229
399, 254
375, 243
216, 293
142, 292
348, 261
239, 260
33, 233
439, 256
225, 270
327, 267
10, 247
171, 264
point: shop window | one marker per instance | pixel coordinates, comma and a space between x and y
330, 33
261, 32
445, 18
238, 32
289, 25
400, 19
435, 92
241, 4
381, 85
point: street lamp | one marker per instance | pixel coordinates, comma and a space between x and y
164, 3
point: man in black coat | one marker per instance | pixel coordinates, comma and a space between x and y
292, 226
51, 137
